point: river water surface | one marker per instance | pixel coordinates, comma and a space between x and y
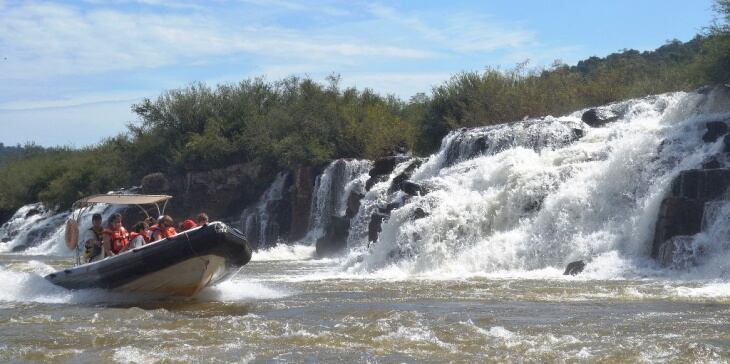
287, 307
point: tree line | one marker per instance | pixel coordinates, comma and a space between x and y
298, 121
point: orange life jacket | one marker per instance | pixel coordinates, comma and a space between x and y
119, 239
166, 232
133, 235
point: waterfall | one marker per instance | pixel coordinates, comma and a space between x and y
540, 193
331, 191
35, 229
267, 222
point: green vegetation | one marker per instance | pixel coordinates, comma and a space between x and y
294, 122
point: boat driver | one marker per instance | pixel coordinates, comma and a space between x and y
93, 239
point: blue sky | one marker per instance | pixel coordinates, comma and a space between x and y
69, 70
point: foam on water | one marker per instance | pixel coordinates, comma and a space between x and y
240, 290
284, 252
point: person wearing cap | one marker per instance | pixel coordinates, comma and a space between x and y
187, 225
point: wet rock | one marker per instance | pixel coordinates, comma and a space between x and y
577, 134
711, 163
19, 248
372, 181
32, 212
703, 185
597, 118
301, 200
375, 226
419, 213
383, 166
353, 204
412, 188
715, 129
677, 216
385, 210
677, 253
5, 240
335, 237
405, 175
574, 268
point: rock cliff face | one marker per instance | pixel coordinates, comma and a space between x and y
220, 193
683, 210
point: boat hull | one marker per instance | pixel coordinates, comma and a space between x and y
181, 265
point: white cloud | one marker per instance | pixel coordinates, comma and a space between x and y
460, 32
51, 40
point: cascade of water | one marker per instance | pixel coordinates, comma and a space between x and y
539, 193
35, 229
331, 191
265, 223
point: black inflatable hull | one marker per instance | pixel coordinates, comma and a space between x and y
181, 265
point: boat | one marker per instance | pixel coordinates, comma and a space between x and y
180, 265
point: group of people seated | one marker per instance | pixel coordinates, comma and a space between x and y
100, 242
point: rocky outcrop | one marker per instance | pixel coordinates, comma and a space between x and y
715, 129
375, 225
353, 204
302, 190
598, 117
396, 184
574, 268
681, 212
382, 168
218, 192
335, 237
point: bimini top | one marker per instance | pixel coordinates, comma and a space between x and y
131, 199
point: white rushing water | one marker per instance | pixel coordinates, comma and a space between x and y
36, 230
521, 198
331, 190
260, 223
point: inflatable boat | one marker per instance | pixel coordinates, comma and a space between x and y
180, 265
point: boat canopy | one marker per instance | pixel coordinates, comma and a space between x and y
130, 199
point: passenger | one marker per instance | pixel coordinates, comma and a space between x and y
187, 225
116, 238
93, 240
139, 237
165, 228
202, 219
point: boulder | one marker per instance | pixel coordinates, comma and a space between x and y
353, 204
703, 185
597, 118
419, 213
383, 166
574, 268
19, 248
726, 143
677, 216
715, 129
405, 175
335, 237
412, 188
375, 226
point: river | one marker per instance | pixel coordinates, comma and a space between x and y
286, 306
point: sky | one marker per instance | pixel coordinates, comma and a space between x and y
70, 70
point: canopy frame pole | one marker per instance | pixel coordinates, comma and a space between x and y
143, 210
